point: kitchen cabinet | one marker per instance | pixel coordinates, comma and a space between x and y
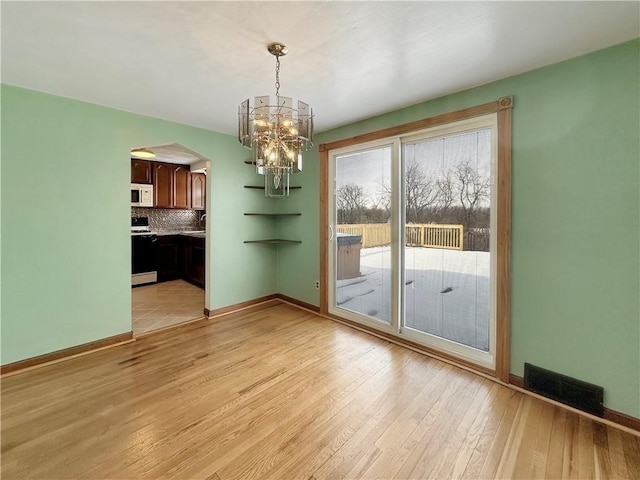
181, 186
171, 185
168, 258
162, 185
181, 256
141, 171
198, 191
195, 263
192, 258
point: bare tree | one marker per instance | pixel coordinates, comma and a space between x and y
472, 190
351, 202
420, 194
384, 193
446, 190
458, 195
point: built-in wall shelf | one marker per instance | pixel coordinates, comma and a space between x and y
273, 241
261, 187
275, 214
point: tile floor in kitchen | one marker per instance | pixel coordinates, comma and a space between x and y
165, 304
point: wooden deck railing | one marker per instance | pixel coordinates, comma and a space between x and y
435, 236
417, 235
373, 234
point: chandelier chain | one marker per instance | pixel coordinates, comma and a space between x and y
277, 76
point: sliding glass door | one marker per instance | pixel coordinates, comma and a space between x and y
447, 264
413, 236
361, 253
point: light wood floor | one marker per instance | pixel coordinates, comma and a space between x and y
276, 392
165, 304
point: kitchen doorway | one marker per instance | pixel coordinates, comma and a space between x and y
168, 237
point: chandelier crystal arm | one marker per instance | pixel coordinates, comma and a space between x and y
276, 132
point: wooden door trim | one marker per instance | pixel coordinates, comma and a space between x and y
324, 229
502, 107
503, 253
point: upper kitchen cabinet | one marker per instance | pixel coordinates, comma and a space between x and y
198, 191
171, 185
141, 171
162, 185
181, 187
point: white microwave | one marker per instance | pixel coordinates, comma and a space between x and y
141, 195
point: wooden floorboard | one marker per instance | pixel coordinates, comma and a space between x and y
278, 392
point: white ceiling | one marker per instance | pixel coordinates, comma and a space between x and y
194, 62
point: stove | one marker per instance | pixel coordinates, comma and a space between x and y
140, 226
144, 252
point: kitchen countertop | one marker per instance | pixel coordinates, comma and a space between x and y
188, 233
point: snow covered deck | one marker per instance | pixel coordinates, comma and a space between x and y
446, 293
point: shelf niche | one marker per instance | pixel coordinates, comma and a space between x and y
261, 187
275, 214
274, 241
271, 241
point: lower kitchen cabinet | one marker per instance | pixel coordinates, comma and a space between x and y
195, 264
181, 256
168, 258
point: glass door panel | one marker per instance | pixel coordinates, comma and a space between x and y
411, 250
447, 259
361, 254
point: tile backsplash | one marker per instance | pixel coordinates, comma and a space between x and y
163, 220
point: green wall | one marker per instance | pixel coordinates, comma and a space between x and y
576, 211
576, 218
66, 163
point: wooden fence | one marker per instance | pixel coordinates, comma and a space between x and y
477, 239
417, 235
435, 236
373, 234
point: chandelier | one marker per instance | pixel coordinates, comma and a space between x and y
276, 133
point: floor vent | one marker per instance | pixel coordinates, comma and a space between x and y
576, 393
